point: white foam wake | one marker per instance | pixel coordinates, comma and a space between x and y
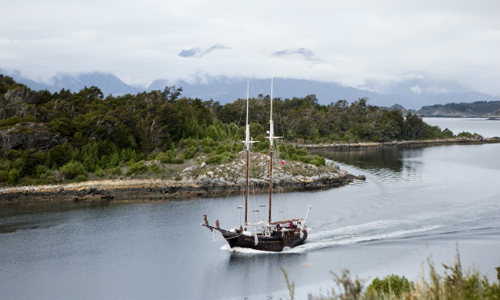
344, 239
351, 229
353, 239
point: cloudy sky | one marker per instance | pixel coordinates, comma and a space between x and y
348, 42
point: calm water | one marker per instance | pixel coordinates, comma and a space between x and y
414, 204
483, 126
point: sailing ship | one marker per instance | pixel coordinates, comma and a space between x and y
263, 235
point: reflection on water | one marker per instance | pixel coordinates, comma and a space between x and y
372, 158
41, 215
388, 163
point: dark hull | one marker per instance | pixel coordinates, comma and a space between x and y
275, 242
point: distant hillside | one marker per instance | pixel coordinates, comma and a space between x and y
226, 90
411, 94
107, 83
465, 110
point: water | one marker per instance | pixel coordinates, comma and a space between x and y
483, 126
415, 203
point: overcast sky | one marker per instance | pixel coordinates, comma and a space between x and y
353, 41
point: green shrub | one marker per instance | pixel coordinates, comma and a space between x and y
72, 169
103, 162
81, 178
89, 156
318, 161
228, 147
300, 154
190, 152
263, 143
391, 285
41, 170
179, 160
4, 175
166, 157
237, 147
117, 170
128, 154
302, 158
13, 176
48, 175
154, 168
206, 144
99, 173
137, 168
290, 150
152, 155
220, 149
469, 135
447, 133
212, 133
221, 158
18, 164
207, 149
32, 160
61, 154
5, 165
191, 143
256, 129
114, 159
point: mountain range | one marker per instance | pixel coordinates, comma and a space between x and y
412, 93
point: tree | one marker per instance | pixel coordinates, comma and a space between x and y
170, 94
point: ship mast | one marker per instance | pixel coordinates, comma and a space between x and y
271, 137
247, 146
247, 143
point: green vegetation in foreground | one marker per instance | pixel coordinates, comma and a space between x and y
454, 284
49, 138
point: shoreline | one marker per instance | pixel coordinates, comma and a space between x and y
196, 180
163, 190
403, 144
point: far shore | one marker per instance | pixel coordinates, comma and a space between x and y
404, 144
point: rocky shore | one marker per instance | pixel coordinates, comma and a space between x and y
198, 180
405, 144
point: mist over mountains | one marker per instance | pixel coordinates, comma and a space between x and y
411, 93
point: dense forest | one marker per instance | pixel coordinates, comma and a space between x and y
52, 137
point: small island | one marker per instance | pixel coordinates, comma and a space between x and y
196, 180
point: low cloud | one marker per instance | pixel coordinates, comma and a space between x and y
349, 43
416, 89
